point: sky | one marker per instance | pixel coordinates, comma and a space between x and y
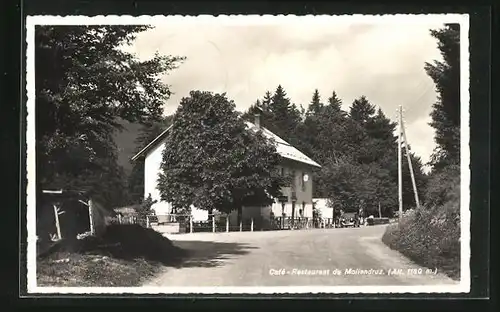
384, 62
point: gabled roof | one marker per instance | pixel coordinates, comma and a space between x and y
283, 148
151, 144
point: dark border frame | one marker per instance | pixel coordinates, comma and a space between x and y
480, 62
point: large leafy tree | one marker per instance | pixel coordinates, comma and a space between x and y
85, 82
446, 111
214, 161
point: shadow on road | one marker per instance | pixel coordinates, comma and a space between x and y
209, 254
132, 242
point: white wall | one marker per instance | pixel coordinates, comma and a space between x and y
152, 168
151, 171
321, 204
277, 210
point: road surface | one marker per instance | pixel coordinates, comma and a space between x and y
319, 257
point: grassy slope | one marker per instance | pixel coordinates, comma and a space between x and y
431, 237
89, 270
125, 256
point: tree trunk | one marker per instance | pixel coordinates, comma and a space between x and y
210, 214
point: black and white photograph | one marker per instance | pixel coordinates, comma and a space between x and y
248, 154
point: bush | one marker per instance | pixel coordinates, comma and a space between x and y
144, 209
441, 186
431, 236
129, 242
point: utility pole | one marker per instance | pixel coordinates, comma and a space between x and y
412, 174
400, 170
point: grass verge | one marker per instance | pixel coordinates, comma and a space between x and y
126, 255
430, 238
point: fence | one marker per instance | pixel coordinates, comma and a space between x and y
127, 219
182, 223
216, 223
327, 223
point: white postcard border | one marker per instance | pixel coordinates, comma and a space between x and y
462, 19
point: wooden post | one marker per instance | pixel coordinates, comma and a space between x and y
241, 225
91, 217
119, 219
213, 224
227, 223
415, 193
58, 226
400, 170
251, 226
190, 224
379, 211
282, 215
147, 221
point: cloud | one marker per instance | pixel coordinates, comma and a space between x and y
384, 62
418, 134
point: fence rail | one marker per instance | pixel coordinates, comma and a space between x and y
177, 223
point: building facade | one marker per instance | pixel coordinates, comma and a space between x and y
296, 202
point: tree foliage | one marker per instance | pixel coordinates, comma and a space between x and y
316, 106
356, 149
278, 114
361, 110
446, 111
145, 208
84, 83
213, 161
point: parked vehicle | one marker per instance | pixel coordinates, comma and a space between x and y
349, 220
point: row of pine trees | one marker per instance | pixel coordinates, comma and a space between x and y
357, 149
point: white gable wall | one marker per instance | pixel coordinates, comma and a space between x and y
152, 169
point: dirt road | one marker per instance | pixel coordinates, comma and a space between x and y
329, 257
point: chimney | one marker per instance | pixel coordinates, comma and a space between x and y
257, 117
257, 120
